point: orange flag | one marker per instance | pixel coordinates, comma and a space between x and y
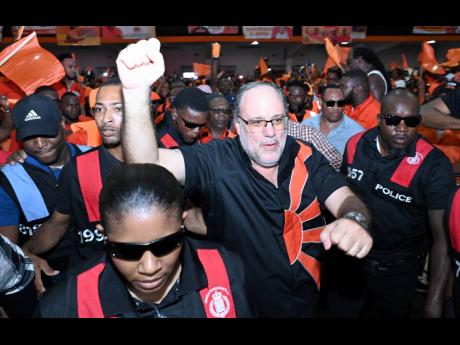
405, 65
263, 66
201, 69
333, 52
329, 64
30, 66
428, 60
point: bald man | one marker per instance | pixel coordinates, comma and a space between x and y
405, 182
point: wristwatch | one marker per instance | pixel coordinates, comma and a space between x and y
358, 217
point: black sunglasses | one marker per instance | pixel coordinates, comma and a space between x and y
134, 251
340, 103
192, 125
394, 120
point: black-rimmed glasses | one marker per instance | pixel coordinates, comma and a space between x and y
255, 126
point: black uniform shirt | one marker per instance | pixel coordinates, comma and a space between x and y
182, 301
70, 201
245, 212
399, 214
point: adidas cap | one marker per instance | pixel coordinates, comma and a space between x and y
36, 115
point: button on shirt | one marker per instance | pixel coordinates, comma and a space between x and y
339, 135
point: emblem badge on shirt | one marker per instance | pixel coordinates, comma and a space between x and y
218, 302
416, 159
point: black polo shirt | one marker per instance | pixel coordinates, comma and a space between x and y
70, 201
183, 300
46, 181
245, 212
166, 127
399, 214
452, 101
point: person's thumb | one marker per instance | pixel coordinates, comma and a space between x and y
47, 269
325, 236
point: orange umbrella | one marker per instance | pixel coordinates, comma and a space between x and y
30, 66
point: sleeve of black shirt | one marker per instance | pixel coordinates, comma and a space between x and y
64, 196
440, 183
200, 162
452, 101
324, 178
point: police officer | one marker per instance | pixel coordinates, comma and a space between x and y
150, 268
406, 183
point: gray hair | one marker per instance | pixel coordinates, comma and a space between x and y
249, 86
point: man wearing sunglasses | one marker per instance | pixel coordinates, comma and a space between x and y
333, 123
219, 118
406, 183
189, 114
261, 191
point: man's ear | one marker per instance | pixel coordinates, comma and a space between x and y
237, 125
62, 122
100, 227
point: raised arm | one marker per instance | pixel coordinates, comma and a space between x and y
139, 66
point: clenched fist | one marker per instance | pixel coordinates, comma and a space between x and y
140, 64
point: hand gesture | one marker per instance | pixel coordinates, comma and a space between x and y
140, 64
41, 265
349, 236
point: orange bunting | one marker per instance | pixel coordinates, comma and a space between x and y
201, 69
30, 66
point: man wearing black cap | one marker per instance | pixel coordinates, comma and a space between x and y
28, 190
189, 113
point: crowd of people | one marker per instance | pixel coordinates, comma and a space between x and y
309, 194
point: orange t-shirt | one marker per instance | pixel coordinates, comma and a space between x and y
365, 113
205, 135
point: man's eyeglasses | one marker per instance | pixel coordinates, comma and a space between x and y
394, 120
221, 110
135, 251
255, 126
339, 103
192, 125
